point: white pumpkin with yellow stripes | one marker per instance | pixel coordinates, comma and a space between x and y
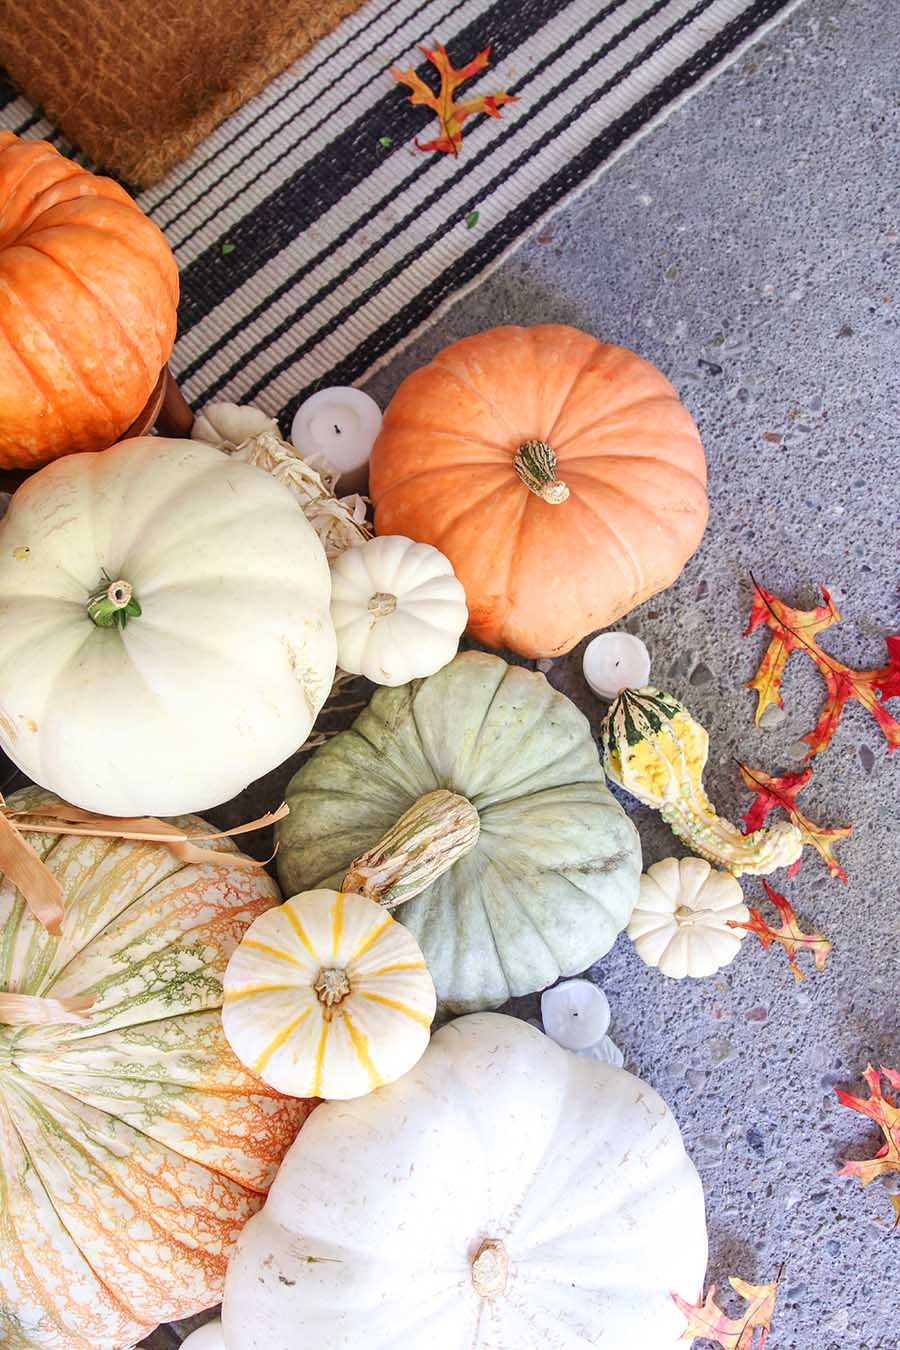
328, 996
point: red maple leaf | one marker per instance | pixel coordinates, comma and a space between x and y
450, 114
782, 791
798, 630
789, 934
707, 1319
880, 1107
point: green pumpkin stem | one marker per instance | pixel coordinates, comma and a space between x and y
113, 604
535, 463
429, 838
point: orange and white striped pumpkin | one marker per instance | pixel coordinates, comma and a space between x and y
328, 996
133, 1146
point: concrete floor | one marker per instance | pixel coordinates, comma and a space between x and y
750, 248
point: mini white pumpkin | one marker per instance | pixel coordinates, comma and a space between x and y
576, 1014
503, 1194
680, 922
164, 628
328, 996
397, 608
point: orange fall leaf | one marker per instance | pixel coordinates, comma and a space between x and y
783, 792
881, 1107
732, 1333
449, 113
798, 630
789, 934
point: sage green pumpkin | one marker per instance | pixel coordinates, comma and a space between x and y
555, 872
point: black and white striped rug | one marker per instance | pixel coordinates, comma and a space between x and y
314, 238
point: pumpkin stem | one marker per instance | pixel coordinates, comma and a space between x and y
382, 604
490, 1268
427, 840
332, 986
113, 603
535, 463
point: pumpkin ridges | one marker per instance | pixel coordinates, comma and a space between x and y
105, 396
137, 348
96, 375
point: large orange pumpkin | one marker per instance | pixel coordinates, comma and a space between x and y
88, 299
561, 476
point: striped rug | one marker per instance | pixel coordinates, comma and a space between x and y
315, 239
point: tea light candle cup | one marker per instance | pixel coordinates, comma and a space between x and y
575, 1014
615, 661
342, 424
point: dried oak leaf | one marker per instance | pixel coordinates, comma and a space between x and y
880, 1107
798, 630
782, 791
789, 934
450, 114
707, 1319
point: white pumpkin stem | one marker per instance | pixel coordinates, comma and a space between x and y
535, 463
382, 604
113, 604
490, 1268
429, 838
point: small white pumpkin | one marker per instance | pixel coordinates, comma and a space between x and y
680, 922
397, 608
328, 996
502, 1195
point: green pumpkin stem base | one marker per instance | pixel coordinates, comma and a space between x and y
113, 604
427, 840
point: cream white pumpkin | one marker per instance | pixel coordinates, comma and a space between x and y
680, 922
328, 996
220, 674
398, 610
504, 1194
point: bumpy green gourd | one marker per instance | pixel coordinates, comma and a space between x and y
655, 750
474, 800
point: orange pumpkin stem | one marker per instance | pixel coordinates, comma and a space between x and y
535, 463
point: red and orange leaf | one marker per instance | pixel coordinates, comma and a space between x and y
707, 1319
881, 1107
782, 791
798, 630
895, 1201
450, 114
788, 934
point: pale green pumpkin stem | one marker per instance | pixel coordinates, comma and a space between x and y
535, 463
113, 604
429, 838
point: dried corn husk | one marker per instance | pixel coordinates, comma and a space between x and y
246, 433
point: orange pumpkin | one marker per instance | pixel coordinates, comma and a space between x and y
88, 299
561, 476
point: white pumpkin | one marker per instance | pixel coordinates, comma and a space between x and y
398, 610
164, 627
228, 425
328, 996
503, 1195
680, 923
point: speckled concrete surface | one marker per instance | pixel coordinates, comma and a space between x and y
750, 248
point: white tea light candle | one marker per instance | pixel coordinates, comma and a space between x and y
575, 1014
341, 424
616, 661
